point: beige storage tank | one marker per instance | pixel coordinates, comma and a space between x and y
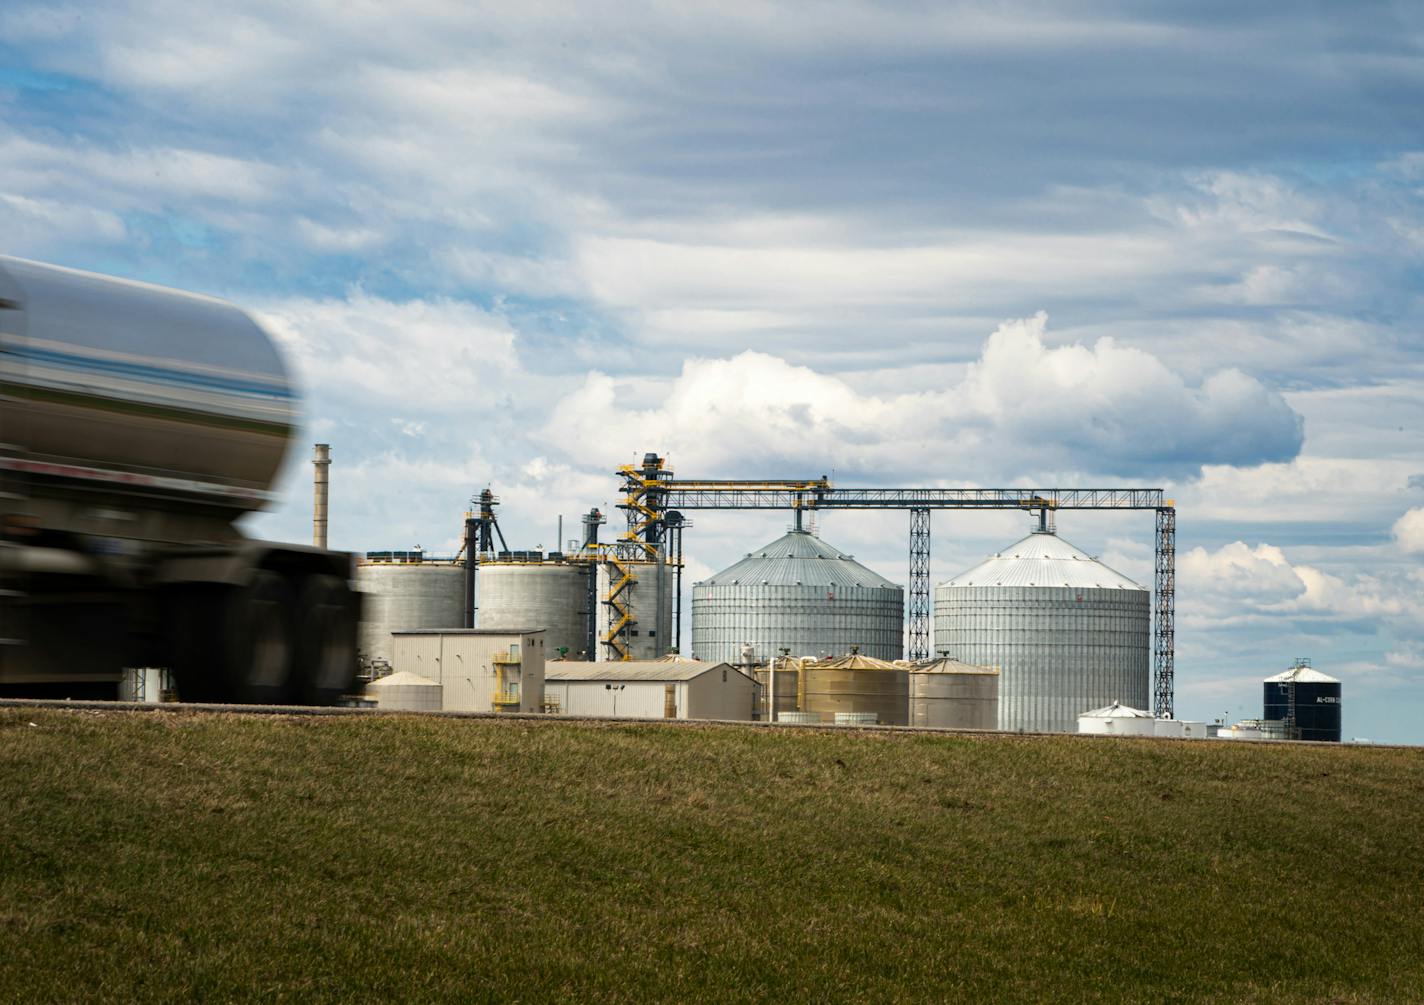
552, 595
404, 591
856, 683
406, 692
787, 689
953, 695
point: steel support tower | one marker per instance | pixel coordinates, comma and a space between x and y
919, 626
651, 489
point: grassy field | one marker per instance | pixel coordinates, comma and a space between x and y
176, 857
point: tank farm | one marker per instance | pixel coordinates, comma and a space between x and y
1029, 639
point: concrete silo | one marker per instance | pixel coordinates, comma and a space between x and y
402, 591
648, 599
1068, 633
797, 593
525, 589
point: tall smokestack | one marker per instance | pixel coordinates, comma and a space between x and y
320, 463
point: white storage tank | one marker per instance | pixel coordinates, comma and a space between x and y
534, 592
800, 594
1067, 632
406, 692
404, 591
1118, 720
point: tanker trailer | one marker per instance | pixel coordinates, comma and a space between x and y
137, 424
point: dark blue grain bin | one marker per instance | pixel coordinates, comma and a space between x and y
1317, 701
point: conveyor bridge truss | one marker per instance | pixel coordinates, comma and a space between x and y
654, 499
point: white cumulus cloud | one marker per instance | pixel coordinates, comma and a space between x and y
1409, 531
436, 355
1022, 406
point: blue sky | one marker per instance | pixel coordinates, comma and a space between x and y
914, 244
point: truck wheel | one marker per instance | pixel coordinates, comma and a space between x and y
326, 650
259, 640
193, 626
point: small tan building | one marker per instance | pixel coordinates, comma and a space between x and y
655, 689
478, 669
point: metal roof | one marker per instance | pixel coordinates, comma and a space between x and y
1302, 675
1116, 710
631, 671
1044, 559
945, 664
852, 661
402, 678
799, 559
469, 631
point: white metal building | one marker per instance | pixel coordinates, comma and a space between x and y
479, 670
655, 689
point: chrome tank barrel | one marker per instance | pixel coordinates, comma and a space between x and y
100, 376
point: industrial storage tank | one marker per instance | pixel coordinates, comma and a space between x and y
1068, 633
649, 600
1317, 702
405, 591
947, 693
539, 593
406, 692
123, 376
1123, 720
855, 684
800, 594
788, 689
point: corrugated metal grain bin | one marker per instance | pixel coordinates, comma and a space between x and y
954, 695
797, 593
1067, 632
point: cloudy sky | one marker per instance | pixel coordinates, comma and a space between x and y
1021, 244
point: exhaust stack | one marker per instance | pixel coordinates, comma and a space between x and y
320, 463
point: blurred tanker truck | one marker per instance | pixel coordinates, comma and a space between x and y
137, 424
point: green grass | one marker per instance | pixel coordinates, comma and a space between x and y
176, 857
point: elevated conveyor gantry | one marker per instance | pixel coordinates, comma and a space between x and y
651, 495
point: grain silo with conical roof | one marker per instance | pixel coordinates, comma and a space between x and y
1068, 633
800, 594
